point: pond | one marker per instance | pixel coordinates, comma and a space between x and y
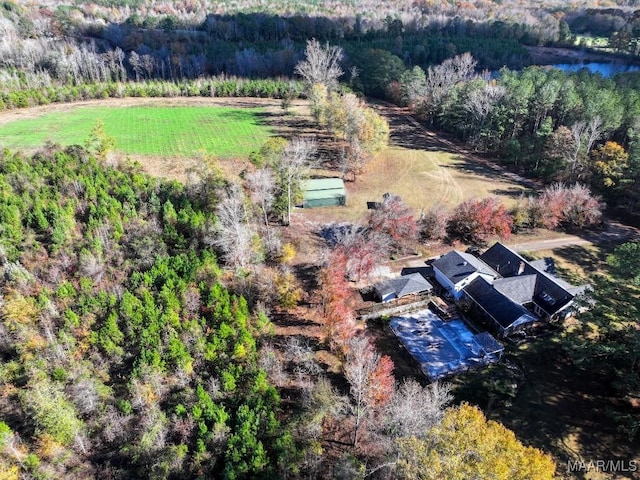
606, 69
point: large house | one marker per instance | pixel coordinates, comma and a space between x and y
506, 289
456, 270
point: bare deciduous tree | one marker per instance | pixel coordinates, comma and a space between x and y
262, 186
584, 136
136, 64
270, 362
321, 64
235, 233
148, 63
370, 382
300, 353
414, 409
480, 103
294, 163
429, 93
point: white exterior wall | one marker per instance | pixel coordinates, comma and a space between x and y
456, 289
444, 281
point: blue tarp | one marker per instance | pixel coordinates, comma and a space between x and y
440, 348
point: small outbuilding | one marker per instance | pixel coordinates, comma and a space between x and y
324, 192
412, 284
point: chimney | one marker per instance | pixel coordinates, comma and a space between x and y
521, 268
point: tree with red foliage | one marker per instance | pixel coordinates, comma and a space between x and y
551, 205
339, 322
474, 220
570, 205
371, 382
362, 249
395, 219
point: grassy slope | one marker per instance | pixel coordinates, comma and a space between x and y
164, 131
423, 179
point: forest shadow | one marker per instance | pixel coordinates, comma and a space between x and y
556, 406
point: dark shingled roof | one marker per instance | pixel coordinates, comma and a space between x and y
550, 293
457, 266
505, 261
503, 311
405, 285
520, 289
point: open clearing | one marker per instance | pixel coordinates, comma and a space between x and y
423, 179
168, 131
166, 135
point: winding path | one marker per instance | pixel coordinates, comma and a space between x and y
407, 132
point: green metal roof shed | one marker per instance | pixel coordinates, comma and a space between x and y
324, 192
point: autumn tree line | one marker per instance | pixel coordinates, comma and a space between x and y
79, 42
126, 350
177, 39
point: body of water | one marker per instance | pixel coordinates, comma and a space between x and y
606, 69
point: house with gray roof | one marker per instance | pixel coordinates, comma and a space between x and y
455, 270
507, 315
506, 289
530, 283
411, 284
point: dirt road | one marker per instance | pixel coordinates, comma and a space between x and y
404, 127
614, 232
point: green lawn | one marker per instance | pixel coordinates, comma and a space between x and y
147, 130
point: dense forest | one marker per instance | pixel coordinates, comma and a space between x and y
103, 41
124, 356
119, 343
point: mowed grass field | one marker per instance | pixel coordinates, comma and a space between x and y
423, 179
160, 131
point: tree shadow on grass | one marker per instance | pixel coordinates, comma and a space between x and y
386, 343
511, 192
591, 261
558, 407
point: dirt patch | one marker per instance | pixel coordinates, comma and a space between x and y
180, 168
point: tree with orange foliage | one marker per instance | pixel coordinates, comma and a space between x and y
474, 220
339, 322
